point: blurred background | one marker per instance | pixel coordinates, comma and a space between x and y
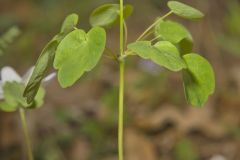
80, 123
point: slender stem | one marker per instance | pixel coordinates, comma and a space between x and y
147, 35
151, 26
155, 38
121, 87
126, 34
26, 134
121, 112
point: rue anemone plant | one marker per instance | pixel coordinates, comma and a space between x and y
73, 51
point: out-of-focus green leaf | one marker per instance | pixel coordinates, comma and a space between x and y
13, 94
8, 37
78, 52
162, 53
184, 10
108, 14
199, 80
6, 107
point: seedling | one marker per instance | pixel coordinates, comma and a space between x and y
74, 51
11, 96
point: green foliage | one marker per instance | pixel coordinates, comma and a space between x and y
74, 52
13, 97
78, 52
199, 81
108, 15
46, 58
175, 33
6, 107
184, 10
41, 67
7, 38
172, 31
229, 39
185, 46
69, 23
162, 53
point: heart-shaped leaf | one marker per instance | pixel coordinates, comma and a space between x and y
184, 10
199, 81
162, 53
45, 60
78, 52
108, 15
172, 31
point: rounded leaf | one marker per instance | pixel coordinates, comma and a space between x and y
162, 53
184, 10
199, 79
69, 23
77, 53
172, 31
108, 14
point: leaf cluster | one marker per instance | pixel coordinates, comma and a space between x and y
74, 51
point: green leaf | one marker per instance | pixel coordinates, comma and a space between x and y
184, 11
43, 63
69, 23
46, 58
39, 99
172, 31
108, 15
199, 81
4, 106
78, 52
13, 94
162, 53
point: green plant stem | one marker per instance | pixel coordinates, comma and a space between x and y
152, 25
126, 34
147, 35
121, 112
121, 87
26, 134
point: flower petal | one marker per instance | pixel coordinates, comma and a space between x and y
9, 74
49, 77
